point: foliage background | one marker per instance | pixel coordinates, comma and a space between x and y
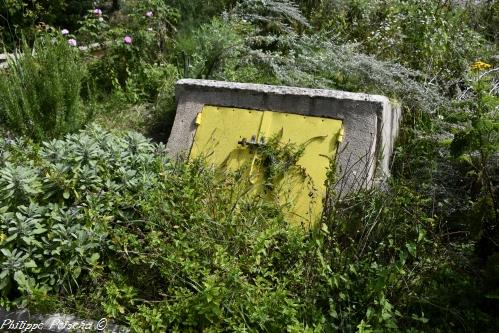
99, 222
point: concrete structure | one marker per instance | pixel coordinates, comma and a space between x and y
370, 122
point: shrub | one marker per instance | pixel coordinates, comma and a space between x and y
41, 91
204, 52
424, 35
56, 205
195, 12
476, 147
24, 18
484, 17
134, 69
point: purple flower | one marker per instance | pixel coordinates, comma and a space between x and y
72, 42
149, 13
127, 39
97, 12
64, 32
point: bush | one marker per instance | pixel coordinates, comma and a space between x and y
484, 17
134, 70
424, 35
205, 52
41, 91
25, 18
57, 202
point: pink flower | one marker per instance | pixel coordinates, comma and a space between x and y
72, 42
97, 12
127, 39
64, 32
149, 13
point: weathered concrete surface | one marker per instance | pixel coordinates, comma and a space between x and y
371, 122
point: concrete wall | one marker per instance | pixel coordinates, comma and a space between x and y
371, 122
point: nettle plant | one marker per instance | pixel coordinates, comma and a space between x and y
57, 202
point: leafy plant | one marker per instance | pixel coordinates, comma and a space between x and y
133, 69
41, 92
423, 35
25, 19
54, 212
204, 52
477, 146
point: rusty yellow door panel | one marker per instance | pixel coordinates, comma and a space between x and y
226, 136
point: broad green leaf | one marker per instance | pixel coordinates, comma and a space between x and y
93, 259
20, 278
30, 264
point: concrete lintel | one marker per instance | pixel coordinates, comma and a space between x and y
370, 121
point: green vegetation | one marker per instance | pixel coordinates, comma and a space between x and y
41, 91
97, 221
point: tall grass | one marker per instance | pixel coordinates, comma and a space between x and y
40, 92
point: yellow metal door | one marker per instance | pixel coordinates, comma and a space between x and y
303, 189
218, 133
232, 138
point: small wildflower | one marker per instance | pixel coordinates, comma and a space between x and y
149, 14
127, 40
150, 29
101, 19
72, 42
480, 66
65, 32
97, 12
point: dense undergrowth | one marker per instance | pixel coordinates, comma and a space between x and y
98, 223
